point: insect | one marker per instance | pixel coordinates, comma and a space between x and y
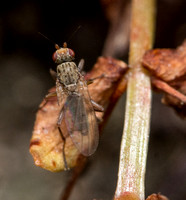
77, 108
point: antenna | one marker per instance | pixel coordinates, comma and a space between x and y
76, 30
55, 44
65, 43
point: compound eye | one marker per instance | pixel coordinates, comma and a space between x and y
54, 56
71, 52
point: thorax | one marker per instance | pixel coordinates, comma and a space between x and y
68, 73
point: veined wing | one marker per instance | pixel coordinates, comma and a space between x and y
80, 120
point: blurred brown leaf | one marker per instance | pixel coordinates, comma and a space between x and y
118, 14
46, 143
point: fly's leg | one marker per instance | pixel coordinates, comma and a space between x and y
63, 138
97, 107
92, 79
63, 150
46, 99
80, 68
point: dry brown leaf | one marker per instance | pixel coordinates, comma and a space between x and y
46, 143
156, 197
174, 102
168, 67
166, 64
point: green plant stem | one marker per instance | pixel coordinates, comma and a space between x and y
134, 144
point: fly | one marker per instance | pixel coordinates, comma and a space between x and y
77, 108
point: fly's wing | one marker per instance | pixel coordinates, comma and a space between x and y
80, 120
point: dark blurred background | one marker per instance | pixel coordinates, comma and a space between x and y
25, 59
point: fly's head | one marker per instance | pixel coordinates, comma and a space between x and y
63, 54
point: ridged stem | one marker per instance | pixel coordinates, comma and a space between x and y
134, 144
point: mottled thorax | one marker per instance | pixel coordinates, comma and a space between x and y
68, 73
